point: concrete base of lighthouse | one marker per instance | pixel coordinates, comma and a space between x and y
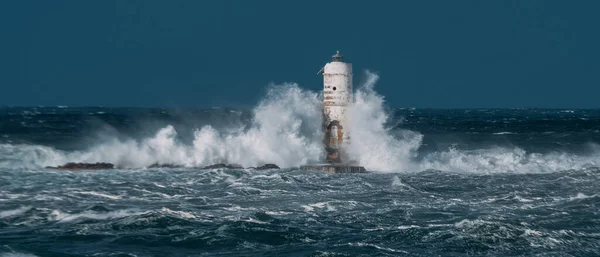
335, 168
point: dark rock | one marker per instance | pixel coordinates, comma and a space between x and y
268, 166
215, 166
85, 166
166, 166
222, 166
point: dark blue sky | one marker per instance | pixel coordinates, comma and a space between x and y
438, 54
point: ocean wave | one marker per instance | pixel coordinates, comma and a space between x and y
505, 133
16, 254
580, 196
374, 145
113, 197
286, 130
15, 212
385, 249
488, 160
498, 159
60, 216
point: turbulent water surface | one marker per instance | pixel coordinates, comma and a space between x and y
520, 182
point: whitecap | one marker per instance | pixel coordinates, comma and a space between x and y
113, 197
180, 214
57, 215
378, 247
404, 227
15, 212
531, 232
286, 130
16, 254
504, 133
581, 196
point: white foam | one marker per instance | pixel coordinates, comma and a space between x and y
114, 197
286, 130
521, 199
404, 227
321, 205
159, 185
506, 160
15, 212
532, 232
15, 254
57, 215
469, 224
181, 214
30, 156
378, 247
277, 213
504, 133
372, 143
581, 196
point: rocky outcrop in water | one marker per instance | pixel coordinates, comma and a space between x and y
268, 166
108, 166
222, 166
167, 166
85, 166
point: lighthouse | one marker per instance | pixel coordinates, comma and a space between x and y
337, 95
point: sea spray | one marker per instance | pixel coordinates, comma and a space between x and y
373, 145
499, 159
30, 156
285, 129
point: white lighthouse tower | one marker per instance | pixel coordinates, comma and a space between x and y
337, 95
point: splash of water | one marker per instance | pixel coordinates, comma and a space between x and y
286, 130
373, 144
506, 160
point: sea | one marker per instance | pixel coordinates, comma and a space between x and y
441, 182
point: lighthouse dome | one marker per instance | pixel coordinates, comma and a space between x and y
337, 57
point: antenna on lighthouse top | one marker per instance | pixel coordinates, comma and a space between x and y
337, 57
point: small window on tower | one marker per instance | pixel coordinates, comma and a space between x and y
334, 88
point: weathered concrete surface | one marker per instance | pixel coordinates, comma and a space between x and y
337, 95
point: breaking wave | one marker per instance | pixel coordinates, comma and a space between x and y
374, 145
286, 130
506, 160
